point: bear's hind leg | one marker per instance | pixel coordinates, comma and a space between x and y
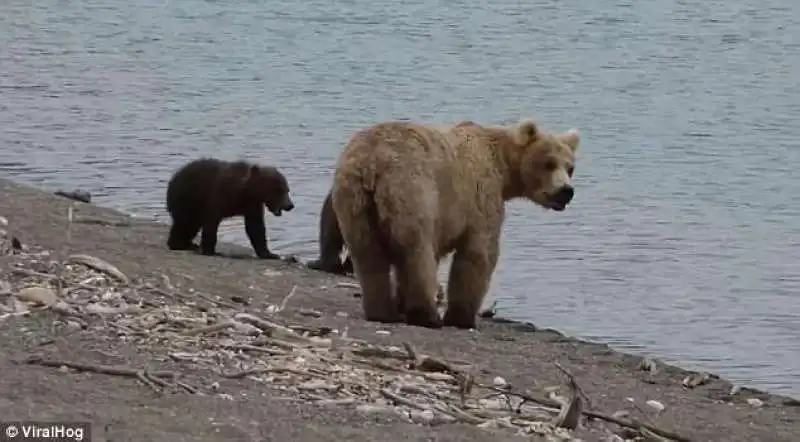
470, 275
182, 233
372, 269
417, 286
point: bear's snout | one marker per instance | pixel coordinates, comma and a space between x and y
562, 197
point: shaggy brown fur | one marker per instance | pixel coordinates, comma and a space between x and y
406, 195
206, 191
331, 243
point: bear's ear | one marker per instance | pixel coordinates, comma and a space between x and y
525, 133
571, 138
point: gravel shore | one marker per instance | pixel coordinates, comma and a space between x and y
226, 409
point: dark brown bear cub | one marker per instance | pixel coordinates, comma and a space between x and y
206, 191
331, 243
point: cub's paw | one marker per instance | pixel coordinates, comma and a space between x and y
268, 255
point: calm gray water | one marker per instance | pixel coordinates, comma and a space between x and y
683, 240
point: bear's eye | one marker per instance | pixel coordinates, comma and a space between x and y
550, 165
570, 170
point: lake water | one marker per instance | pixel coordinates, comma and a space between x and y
684, 237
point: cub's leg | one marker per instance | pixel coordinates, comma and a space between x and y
208, 239
470, 274
182, 233
331, 243
257, 232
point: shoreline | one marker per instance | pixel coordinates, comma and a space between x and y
516, 350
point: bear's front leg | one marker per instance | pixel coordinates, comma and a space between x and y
470, 274
256, 232
208, 239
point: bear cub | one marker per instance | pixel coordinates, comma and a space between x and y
204, 192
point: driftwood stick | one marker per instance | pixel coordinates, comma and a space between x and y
99, 265
209, 328
113, 370
400, 400
143, 378
286, 299
257, 371
592, 414
570, 415
187, 387
412, 354
28, 272
255, 348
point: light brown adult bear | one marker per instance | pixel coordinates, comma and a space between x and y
406, 195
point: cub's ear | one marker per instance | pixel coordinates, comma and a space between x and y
571, 138
525, 132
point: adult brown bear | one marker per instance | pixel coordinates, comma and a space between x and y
406, 195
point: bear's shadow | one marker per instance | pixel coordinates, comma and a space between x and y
248, 256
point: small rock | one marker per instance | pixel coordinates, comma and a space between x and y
648, 364
72, 326
656, 405
3, 221
735, 390
499, 382
375, 409
5, 287
38, 296
423, 417
755, 402
109, 296
240, 300
383, 332
342, 314
310, 312
621, 414
214, 386
696, 380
